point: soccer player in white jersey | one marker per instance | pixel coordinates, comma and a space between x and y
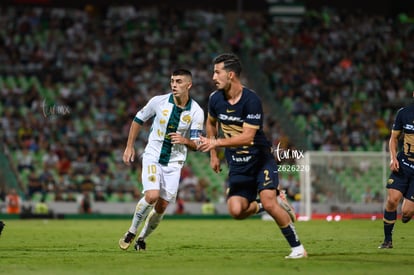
177, 123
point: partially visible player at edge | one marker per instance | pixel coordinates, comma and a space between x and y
238, 112
2, 225
177, 122
401, 180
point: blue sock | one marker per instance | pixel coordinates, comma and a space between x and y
389, 221
290, 234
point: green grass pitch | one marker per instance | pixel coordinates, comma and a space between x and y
202, 246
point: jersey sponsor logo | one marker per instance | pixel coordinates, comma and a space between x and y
162, 121
241, 159
165, 112
390, 181
254, 116
224, 117
230, 111
409, 127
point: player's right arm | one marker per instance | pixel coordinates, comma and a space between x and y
142, 116
129, 153
393, 144
211, 132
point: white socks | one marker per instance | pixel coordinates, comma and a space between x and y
141, 212
151, 223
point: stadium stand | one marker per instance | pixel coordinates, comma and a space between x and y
71, 81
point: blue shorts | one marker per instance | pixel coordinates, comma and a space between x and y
403, 180
249, 176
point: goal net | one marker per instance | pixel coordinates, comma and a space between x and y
342, 182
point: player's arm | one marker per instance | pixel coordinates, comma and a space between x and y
246, 138
196, 129
129, 153
393, 145
177, 138
211, 133
143, 115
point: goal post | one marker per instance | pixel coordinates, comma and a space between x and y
342, 182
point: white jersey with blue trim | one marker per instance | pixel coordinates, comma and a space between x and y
168, 118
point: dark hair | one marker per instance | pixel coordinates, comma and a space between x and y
231, 62
182, 72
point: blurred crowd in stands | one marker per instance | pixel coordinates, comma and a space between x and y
71, 80
341, 76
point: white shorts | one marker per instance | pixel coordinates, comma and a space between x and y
163, 178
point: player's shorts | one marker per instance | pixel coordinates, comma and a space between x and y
403, 180
248, 175
159, 177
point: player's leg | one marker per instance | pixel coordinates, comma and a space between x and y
281, 217
2, 224
283, 202
407, 208
142, 209
397, 186
169, 182
151, 183
390, 216
268, 182
151, 223
240, 208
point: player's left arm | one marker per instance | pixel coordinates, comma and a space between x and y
196, 129
177, 138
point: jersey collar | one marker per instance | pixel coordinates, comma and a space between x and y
186, 108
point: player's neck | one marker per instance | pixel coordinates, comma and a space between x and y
181, 101
234, 94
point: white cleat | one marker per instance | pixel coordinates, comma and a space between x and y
297, 255
126, 240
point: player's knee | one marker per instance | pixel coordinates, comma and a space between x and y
268, 204
392, 203
151, 197
237, 213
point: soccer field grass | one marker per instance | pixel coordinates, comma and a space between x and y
198, 246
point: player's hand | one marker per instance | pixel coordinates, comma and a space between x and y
394, 165
129, 155
215, 164
177, 138
206, 144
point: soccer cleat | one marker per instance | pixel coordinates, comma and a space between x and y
140, 244
405, 219
297, 254
126, 241
386, 245
286, 205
